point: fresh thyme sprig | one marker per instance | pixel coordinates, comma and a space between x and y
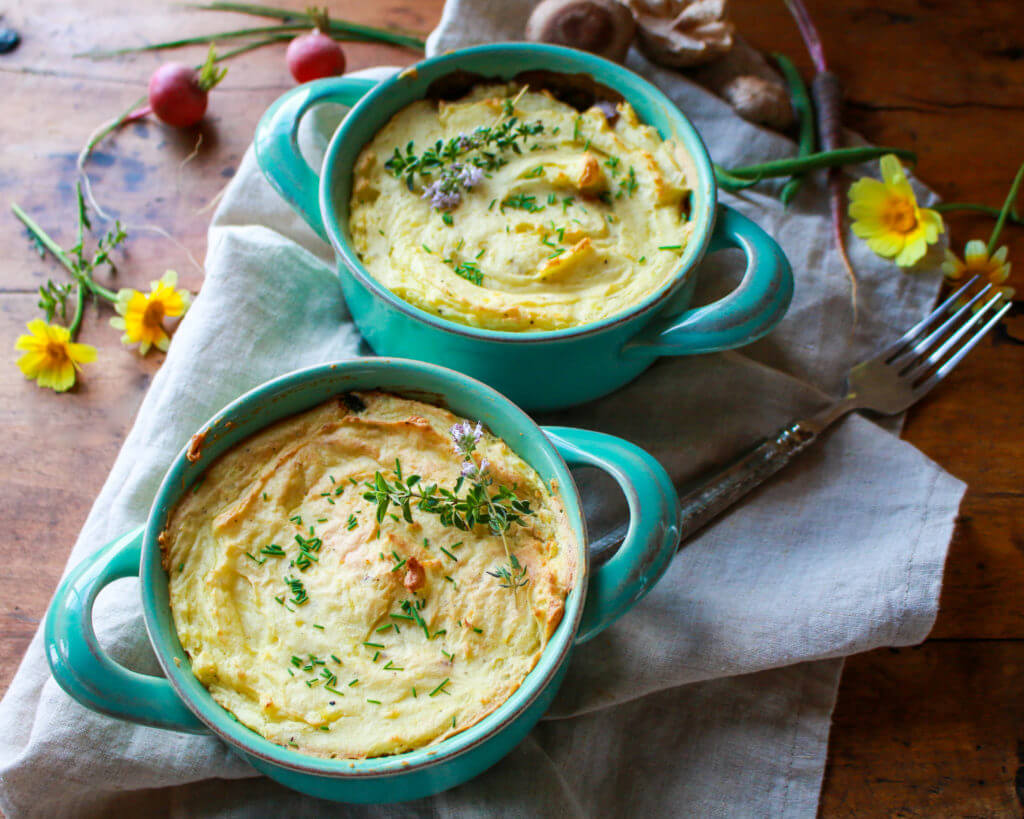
477, 505
451, 167
511, 576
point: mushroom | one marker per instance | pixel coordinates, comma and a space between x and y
602, 27
682, 33
745, 80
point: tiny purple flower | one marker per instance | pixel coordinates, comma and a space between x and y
465, 437
439, 198
470, 176
465, 143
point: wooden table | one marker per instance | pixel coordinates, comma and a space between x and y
931, 730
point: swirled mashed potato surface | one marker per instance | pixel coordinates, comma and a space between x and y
395, 636
580, 217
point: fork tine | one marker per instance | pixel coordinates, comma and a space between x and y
947, 368
905, 360
890, 352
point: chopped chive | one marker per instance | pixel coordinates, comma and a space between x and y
333, 690
440, 632
265, 496
375, 702
398, 566
290, 672
352, 522
385, 628
317, 625
335, 658
451, 657
273, 550
332, 478
353, 682
376, 654
255, 560
447, 219
403, 617
374, 645
477, 630
181, 566
296, 519
453, 557
324, 727
456, 545
392, 667
414, 691
440, 688
671, 247
446, 577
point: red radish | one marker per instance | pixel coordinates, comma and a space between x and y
315, 55
178, 93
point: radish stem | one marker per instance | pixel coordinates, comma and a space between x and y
827, 94
370, 33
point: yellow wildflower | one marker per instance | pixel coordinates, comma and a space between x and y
51, 358
141, 315
886, 215
993, 269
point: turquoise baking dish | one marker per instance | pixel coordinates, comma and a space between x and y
537, 370
179, 702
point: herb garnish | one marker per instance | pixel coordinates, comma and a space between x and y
449, 167
299, 595
498, 511
470, 271
520, 201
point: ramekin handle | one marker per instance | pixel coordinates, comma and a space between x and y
653, 533
277, 142
756, 305
80, 665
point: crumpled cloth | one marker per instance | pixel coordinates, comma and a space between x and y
713, 696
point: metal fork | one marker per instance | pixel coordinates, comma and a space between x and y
887, 384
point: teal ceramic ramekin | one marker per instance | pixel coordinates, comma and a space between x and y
180, 702
537, 370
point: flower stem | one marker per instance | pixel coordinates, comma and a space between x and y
44, 239
1007, 205
822, 159
976, 207
76, 322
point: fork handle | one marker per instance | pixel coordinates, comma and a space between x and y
705, 503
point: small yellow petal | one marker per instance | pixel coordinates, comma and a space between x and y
975, 253
81, 353
913, 251
892, 170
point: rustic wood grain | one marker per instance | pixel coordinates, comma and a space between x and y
929, 731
